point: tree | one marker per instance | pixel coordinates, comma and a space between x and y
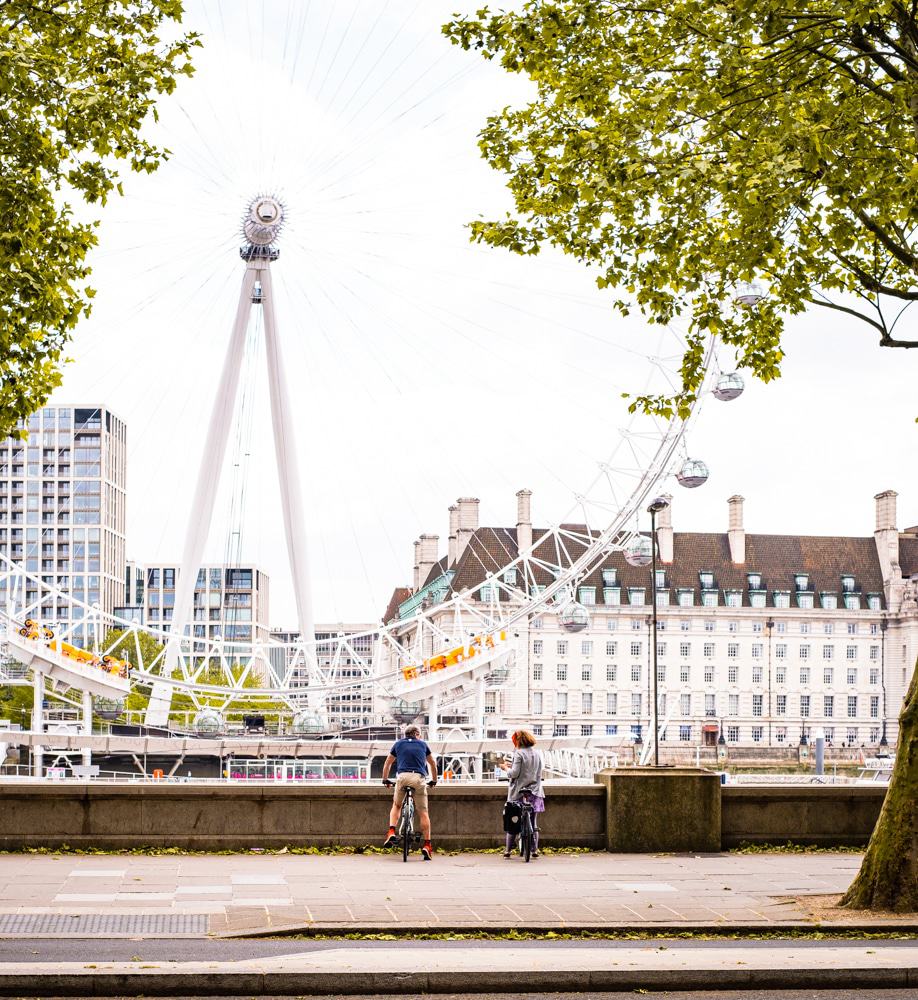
681, 149
80, 77
888, 879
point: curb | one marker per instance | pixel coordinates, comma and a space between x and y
607, 930
226, 983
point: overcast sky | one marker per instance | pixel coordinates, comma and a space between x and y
421, 368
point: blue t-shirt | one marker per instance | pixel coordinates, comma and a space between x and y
410, 755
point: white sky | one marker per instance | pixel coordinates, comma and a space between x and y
421, 368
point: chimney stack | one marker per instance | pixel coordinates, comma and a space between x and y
417, 571
887, 539
665, 531
523, 520
736, 533
466, 522
452, 550
428, 546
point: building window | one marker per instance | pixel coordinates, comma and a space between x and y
757, 704
874, 652
611, 730
637, 624
781, 704
661, 649
828, 600
757, 651
804, 652
636, 648
733, 734
852, 734
610, 648
781, 734
805, 706
804, 675
780, 674
611, 672
536, 623
732, 671
685, 734
874, 675
537, 647
561, 647
853, 602
851, 652
587, 595
586, 703
706, 579
827, 675
685, 704
733, 626
709, 598
852, 706
684, 673
611, 703
510, 576
537, 702
586, 672
661, 673
709, 649
636, 704
754, 581
586, 730
732, 705
757, 674
757, 598
636, 596
804, 600
874, 706
560, 729
852, 628
686, 597
537, 671
757, 733
828, 705
709, 625
804, 628
586, 647
828, 652
561, 703
733, 598
685, 649
610, 577
561, 672
611, 596
636, 673
852, 675
801, 581
781, 598
874, 602
685, 625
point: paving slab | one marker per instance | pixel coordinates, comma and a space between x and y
266, 893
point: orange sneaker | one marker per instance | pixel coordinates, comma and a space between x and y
427, 851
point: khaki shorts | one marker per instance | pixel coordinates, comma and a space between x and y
418, 785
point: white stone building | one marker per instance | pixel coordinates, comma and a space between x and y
762, 638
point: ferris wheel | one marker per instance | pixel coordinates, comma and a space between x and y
449, 641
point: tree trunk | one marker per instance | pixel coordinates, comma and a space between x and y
888, 879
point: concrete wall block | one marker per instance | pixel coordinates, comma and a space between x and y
661, 809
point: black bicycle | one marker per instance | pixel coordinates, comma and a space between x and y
407, 835
527, 828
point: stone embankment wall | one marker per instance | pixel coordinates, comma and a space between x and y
627, 810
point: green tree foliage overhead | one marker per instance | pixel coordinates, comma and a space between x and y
684, 147
79, 78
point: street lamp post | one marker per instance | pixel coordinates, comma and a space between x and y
657, 505
884, 625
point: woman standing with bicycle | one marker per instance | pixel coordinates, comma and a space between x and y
525, 773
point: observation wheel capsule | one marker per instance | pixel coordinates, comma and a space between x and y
574, 617
306, 723
692, 474
208, 722
639, 551
728, 386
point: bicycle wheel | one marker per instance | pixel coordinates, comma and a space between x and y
526, 836
407, 826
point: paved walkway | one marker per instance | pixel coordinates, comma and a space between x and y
199, 894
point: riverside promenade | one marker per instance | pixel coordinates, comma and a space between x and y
261, 924
262, 893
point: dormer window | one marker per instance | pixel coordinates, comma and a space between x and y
847, 582
610, 577
734, 598
661, 579
801, 581
636, 595
706, 579
754, 581
853, 602
781, 598
510, 576
686, 597
829, 600
874, 602
804, 599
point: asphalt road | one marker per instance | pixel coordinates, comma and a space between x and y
726, 995
236, 949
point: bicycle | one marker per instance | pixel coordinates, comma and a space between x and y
527, 828
405, 831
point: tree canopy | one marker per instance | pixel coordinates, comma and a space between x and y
80, 77
684, 148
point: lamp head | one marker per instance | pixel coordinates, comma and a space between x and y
657, 504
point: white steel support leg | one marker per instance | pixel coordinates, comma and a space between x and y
287, 466
204, 496
38, 720
478, 762
433, 711
87, 725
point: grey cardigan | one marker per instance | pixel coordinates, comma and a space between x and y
525, 773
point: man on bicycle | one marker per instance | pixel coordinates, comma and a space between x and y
412, 758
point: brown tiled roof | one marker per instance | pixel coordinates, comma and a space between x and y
908, 555
437, 570
776, 557
398, 595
